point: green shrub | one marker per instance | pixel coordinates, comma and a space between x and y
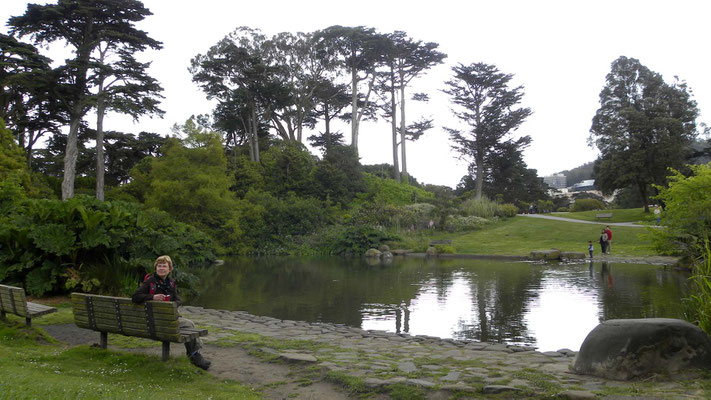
545, 206
562, 209
456, 223
445, 249
508, 210
698, 305
389, 191
587, 205
83, 243
483, 208
687, 215
357, 239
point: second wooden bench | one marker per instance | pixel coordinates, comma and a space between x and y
157, 320
13, 301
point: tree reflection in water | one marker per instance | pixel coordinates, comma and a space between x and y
486, 300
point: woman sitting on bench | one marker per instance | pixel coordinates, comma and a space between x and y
160, 287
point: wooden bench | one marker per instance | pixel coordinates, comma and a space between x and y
12, 300
603, 215
157, 320
443, 241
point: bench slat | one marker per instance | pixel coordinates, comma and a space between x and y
79, 298
134, 311
158, 307
36, 310
164, 325
125, 317
104, 323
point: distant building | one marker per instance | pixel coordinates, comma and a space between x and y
557, 181
588, 184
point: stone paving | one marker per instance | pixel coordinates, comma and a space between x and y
381, 359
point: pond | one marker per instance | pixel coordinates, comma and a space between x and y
546, 306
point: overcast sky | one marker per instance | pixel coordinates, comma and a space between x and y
560, 51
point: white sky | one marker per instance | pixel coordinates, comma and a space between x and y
559, 50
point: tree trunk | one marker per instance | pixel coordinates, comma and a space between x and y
255, 133
354, 110
643, 193
403, 132
479, 174
71, 153
327, 133
393, 121
100, 112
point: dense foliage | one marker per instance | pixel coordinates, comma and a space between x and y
52, 246
587, 205
687, 215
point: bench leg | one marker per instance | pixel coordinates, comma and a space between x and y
166, 351
103, 339
28, 321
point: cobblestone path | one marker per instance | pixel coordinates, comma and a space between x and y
382, 359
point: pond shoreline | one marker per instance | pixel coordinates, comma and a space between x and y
381, 359
652, 260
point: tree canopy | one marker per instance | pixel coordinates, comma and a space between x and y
487, 105
643, 127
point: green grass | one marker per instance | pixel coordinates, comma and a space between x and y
521, 235
618, 215
32, 368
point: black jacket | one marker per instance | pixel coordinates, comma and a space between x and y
155, 285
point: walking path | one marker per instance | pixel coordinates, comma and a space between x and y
441, 366
580, 221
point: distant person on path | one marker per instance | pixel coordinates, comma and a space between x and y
603, 241
658, 214
590, 248
609, 238
160, 287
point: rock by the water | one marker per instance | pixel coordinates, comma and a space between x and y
384, 248
431, 251
400, 252
571, 255
373, 253
386, 255
551, 254
632, 348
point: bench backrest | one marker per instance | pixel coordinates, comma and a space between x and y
12, 300
153, 319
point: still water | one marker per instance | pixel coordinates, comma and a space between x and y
547, 306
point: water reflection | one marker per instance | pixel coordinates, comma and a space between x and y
547, 306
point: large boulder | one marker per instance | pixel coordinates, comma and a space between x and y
572, 255
552, 254
634, 348
374, 253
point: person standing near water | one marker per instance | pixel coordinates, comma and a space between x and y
590, 248
603, 241
609, 238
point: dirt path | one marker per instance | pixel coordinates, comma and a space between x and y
276, 381
580, 221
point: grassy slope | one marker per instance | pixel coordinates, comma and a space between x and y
520, 235
32, 366
618, 215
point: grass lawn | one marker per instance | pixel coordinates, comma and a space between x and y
34, 366
521, 235
618, 215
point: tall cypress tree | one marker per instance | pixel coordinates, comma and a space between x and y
83, 25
